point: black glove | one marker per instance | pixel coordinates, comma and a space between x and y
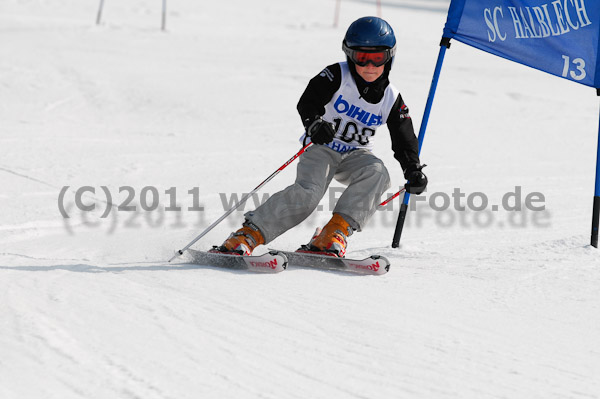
417, 181
320, 132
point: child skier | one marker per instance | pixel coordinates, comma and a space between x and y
341, 109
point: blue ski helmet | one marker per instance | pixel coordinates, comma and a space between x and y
370, 35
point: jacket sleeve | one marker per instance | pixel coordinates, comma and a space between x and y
404, 142
318, 93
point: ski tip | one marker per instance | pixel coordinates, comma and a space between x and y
384, 259
380, 266
285, 262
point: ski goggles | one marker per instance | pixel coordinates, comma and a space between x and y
362, 57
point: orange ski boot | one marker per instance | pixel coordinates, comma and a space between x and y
243, 241
332, 239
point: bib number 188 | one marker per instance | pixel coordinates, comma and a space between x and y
351, 132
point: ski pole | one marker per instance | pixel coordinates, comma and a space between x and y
244, 199
387, 201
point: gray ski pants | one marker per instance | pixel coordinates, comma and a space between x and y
363, 173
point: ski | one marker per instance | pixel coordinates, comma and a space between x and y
271, 262
374, 264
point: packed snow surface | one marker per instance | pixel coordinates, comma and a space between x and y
479, 303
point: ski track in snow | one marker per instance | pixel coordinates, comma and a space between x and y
89, 308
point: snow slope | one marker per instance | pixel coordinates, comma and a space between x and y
491, 304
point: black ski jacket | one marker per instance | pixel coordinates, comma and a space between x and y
320, 91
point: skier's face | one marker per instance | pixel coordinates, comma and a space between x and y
370, 72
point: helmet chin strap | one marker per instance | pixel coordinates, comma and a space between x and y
366, 89
355, 75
